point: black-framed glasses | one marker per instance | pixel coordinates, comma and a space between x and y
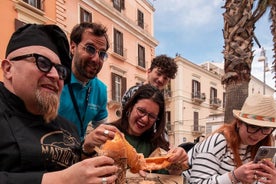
91, 50
45, 65
142, 112
253, 129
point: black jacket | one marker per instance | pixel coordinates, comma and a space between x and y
30, 147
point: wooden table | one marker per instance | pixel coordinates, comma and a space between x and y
157, 178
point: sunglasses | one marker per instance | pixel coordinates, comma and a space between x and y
142, 112
91, 50
45, 65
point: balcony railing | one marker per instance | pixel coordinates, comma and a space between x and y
215, 103
197, 130
198, 97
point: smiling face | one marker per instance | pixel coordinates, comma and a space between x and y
85, 65
142, 116
40, 91
249, 138
157, 78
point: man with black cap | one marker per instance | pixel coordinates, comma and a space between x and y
37, 145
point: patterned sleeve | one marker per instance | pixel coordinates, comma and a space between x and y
128, 94
205, 162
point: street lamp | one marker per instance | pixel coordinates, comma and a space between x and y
263, 58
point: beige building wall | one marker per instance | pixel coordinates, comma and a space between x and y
182, 106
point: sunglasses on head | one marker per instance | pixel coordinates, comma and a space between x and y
91, 50
44, 64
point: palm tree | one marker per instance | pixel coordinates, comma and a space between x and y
239, 25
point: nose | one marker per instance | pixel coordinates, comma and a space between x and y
145, 117
53, 73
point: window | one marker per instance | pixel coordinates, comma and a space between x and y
196, 127
141, 56
118, 42
196, 89
118, 87
34, 3
140, 17
213, 95
85, 16
119, 4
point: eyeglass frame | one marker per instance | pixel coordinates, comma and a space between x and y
142, 113
85, 47
52, 64
258, 128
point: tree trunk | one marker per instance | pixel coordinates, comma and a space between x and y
238, 37
273, 32
235, 97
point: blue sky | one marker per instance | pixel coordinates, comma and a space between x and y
193, 29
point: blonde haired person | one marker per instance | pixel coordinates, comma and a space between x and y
226, 156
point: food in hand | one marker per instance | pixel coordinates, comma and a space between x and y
118, 147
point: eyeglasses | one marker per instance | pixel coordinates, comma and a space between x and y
253, 129
142, 112
91, 50
45, 65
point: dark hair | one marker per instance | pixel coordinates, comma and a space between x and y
165, 64
157, 136
98, 30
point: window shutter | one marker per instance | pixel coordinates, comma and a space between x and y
113, 86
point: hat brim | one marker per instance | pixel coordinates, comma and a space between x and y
260, 123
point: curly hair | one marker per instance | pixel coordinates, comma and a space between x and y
79, 29
166, 65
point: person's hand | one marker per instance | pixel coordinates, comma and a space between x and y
99, 170
179, 159
267, 172
177, 155
100, 135
247, 173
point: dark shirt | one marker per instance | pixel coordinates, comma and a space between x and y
29, 147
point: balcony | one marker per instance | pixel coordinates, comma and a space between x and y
198, 97
113, 104
197, 130
215, 103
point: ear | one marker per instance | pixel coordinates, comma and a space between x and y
73, 47
6, 66
149, 70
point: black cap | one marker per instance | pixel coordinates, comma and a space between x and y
50, 36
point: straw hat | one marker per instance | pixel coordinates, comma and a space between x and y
259, 110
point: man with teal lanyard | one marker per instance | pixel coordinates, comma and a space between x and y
84, 99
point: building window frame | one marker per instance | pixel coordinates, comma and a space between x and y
85, 16
35, 3
141, 56
118, 87
119, 5
118, 42
196, 91
140, 18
